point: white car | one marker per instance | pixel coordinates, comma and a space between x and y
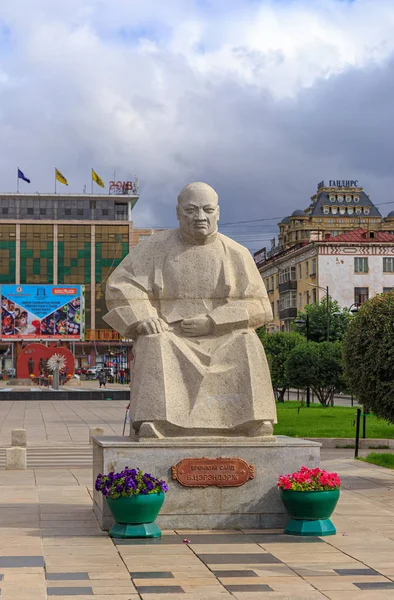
94, 371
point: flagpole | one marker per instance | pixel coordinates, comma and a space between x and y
55, 180
92, 179
17, 180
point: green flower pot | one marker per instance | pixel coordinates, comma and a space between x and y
310, 512
135, 515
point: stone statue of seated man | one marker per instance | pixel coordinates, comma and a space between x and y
191, 299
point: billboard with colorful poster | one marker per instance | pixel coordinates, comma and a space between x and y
42, 312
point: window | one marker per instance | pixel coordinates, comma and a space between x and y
4, 210
273, 309
105, 211
360, 264
307, 297
307, 268
288, 300
299, 300
277, 307
30, 211
67, 211
43, 211
287, 274
388, 265
313, 272
388, 289
299, 271
272, 283
314, 298
80, 211
361, 295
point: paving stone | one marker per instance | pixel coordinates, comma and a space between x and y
69, 591
156, 589
356, 572
164, 540
254, 587
66, 576
377, 585
21, 561
246, 573
235, 559
151, 575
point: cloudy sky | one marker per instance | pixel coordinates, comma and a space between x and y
260, 98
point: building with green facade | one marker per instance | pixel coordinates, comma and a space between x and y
69, 239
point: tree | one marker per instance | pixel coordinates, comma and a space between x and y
319, 366
277, 348
339, 321
369, 355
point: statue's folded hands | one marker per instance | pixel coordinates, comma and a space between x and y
200, 325
150, 326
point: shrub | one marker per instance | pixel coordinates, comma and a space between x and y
369, 355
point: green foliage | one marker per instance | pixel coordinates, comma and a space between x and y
339, 320
296, 420
384, 459
318, 366
277, 347
369, 355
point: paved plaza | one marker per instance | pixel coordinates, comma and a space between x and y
57, 423
51, 547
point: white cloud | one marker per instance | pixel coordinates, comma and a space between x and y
261, 99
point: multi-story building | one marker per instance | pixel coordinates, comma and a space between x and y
340, 243
69, 239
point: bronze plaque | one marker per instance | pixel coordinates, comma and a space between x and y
222, 472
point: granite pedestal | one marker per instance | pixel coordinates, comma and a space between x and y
254, 505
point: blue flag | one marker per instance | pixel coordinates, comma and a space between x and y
21, 176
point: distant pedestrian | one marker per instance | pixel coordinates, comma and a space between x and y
121, 375
102, 378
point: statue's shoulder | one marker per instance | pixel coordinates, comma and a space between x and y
234, 246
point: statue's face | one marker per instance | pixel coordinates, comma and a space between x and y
198, 216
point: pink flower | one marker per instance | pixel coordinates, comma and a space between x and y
309, 479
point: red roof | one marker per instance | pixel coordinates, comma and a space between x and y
362, 235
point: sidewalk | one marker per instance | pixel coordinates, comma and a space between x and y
54, 423
51, 547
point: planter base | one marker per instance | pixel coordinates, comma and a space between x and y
145, 530
320, 527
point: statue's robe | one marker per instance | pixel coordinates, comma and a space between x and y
214, 384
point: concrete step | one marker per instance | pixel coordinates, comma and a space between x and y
63, 457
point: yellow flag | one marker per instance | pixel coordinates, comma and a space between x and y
61, 177
97, 179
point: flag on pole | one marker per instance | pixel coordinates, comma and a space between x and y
61, 177
22, 176
97, 179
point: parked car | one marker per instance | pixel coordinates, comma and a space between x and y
92, 372
80, 371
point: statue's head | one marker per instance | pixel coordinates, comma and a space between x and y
198, 211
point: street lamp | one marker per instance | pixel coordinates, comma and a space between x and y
354, 308
300, 321
328, 306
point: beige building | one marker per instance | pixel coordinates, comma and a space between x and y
340, 242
